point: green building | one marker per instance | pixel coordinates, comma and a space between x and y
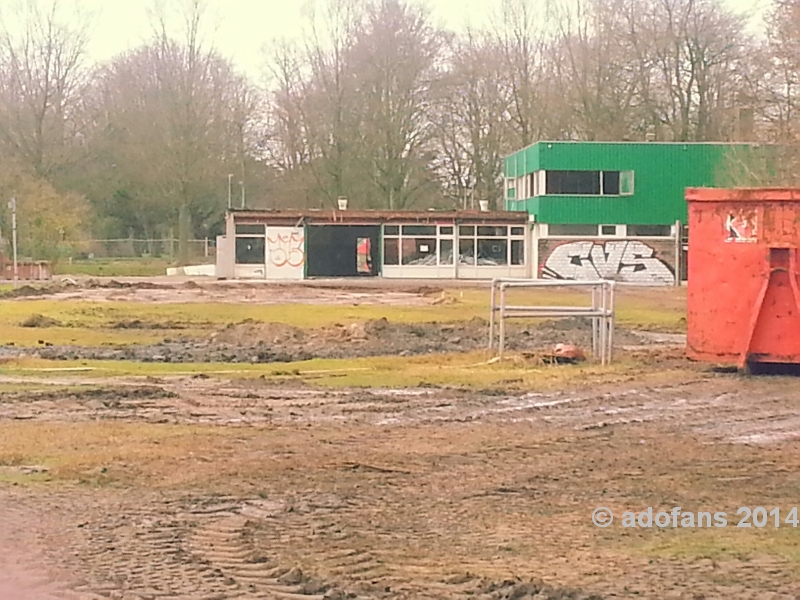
610, 209
609, 183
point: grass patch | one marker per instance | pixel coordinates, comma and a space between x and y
105, 453
91, 323
729, 542
473, 370
109, 267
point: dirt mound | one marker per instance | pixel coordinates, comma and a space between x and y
105, 394
140, 324
533, 590
256, 342
37, 320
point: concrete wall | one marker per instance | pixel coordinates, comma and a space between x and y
648, 261
286, 252
226, 257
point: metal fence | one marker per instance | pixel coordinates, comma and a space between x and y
601, 311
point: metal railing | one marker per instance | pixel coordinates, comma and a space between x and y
601, 311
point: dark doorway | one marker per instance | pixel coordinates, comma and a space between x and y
343, 250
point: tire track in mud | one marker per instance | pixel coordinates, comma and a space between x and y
225, 545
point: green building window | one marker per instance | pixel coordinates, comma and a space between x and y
589, 183
626, 183
573, 183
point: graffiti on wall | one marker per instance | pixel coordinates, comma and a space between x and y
287, 249
630, 261
741, 226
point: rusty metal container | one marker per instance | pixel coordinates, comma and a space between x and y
743, 300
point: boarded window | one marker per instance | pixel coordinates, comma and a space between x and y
649, 230
571, 229
250, 251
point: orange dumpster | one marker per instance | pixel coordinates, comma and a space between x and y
743, 302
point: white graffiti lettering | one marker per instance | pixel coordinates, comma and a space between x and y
629, 261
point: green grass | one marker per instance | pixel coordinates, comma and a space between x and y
728, 542
109, 267
471, 370
91, 323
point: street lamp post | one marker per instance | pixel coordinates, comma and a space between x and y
241, 183
13, 206
230, 177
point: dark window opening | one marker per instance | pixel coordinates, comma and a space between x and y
492, 252
517, 252
419, 251
572, 229
608, 230
250, 251
250, 229
466, 230
391, 251
419, 229
364, 256
338, 250
611, 183
517, 231
445, 252
649, 230
492, 231
466, 251
446, 230
391, 230
574, 183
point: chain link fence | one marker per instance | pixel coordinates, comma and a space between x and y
129, 248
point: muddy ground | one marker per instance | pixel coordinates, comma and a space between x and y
418, 493
252, 342
200, 488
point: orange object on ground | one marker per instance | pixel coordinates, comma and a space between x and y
744, 275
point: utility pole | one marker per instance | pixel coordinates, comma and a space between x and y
230, 177
13, 206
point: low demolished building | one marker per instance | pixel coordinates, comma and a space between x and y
298, 244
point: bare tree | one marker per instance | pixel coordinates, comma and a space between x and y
471, 120
397, 62
42, 76
175, 123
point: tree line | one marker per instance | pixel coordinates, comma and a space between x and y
376, 102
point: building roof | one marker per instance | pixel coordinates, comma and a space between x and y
374, 217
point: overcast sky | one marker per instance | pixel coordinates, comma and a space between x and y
244, 26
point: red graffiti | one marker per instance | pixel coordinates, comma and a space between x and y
287, 250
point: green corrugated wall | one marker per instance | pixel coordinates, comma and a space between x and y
662, 171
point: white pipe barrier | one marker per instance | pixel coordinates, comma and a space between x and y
601, 312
